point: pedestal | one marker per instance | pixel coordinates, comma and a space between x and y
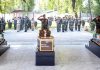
46, 44
94, 46
3, 47
45, 58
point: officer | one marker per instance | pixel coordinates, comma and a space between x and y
50, 19
26, 23
3, 23
76, 24
58, 21
22, 22
66, 23
0, 27
71, 23
63, 24
79, 24
83, 23
15, 23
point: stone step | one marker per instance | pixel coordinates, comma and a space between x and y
56, 43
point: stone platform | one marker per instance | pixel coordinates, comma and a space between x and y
94, 46
4, 47
45, 58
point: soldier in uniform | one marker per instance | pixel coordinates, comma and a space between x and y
83, 23
0, 27
15, 23
63, 24
79, 24
71, 23
50, 19
32, 24
76, 24
58, 21
26, 23
66, 23
18, 24
3, 23
21, 23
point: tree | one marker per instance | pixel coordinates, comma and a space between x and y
97, 8
7, 6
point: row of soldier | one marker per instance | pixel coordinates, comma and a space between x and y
24, 23
69, 23
20, 23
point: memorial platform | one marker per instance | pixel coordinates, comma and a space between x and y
45, 58
94, 46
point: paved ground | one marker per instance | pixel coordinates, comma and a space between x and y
71, 53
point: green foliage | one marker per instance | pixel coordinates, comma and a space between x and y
97, 8
7, 6
62, 6
92, 26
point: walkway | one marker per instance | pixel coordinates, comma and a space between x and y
70, 50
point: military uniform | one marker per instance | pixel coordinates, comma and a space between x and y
32, 24
15, 23
71, 24
58, 21
1, 27
18, 25
63, 24
66, 24
76, 24
26, 23
79, 24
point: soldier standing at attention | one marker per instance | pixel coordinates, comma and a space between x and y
63, 24
71, 23
26, 23
15, 23
58, 22
76, 24
18, 24
32, 24
0, 27
66, 23
79, 24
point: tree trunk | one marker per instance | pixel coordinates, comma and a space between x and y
89, 2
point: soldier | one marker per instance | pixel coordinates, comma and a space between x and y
63, 24
21, 23
79, 24
9, 24
66, 23
35, 24
50, 19
76, 24
15, 23
83, 23
32, 24
26, 23
29, 23
1, 27
18, 24
58, 21
71, 23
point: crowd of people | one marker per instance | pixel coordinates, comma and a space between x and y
24, 23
